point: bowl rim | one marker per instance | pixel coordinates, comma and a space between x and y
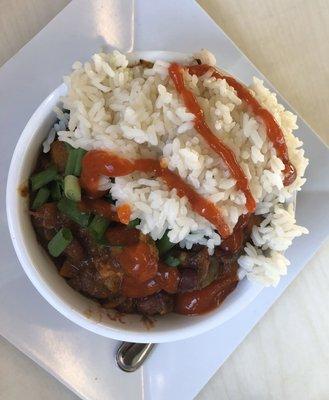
23, 253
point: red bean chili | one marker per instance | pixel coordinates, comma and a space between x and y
273, 129
99, 162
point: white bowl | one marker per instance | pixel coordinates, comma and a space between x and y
43, 273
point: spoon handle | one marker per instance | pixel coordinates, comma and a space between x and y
130, 356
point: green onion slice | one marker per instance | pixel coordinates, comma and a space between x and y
68, 146
78, 161
134, 223
108, 197
72, 189
59, 242
55, 190
40, 198
70, 209
74, 162
172, 261
164, 244
98, 226
42, 178
118, 247
100, 241
70, 163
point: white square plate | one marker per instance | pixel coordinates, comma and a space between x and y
81, 360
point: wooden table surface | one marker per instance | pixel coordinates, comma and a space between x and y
287, 355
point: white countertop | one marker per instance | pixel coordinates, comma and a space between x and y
286, 355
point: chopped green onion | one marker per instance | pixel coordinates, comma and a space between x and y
70, 163
59, 242
73, 164
78, 161
134, 223
172, 261
164, 244
68, 146
60, 180
212, 272
42, 178
70, 209
40, 198
100, 241
98, 226
108, 197
55, 190
72, 189
118, 247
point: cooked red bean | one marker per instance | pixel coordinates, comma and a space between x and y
158, 303
188, 280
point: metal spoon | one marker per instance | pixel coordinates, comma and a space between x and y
130, 356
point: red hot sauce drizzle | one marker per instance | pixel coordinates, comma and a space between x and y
234, 242
99, 162
273, 129
227, 155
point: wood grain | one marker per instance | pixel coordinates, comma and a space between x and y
287, 355
20, 20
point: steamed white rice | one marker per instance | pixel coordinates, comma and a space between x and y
136, 112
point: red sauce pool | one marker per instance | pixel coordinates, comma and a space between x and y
273, 129
99, 162
207, 299
166, 279
132, 288
139, 261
